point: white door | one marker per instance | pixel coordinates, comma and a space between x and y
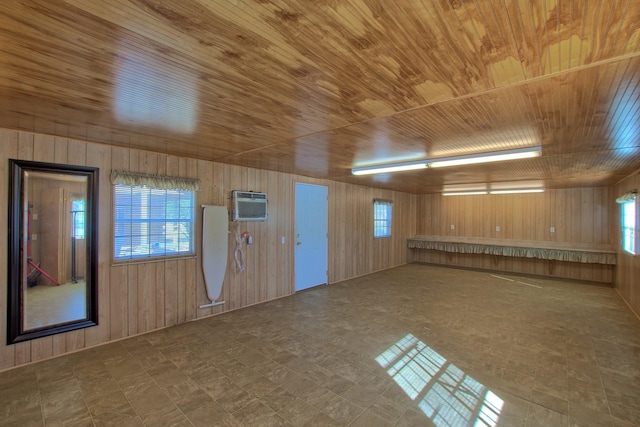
311, 235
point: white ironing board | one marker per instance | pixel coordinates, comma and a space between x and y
215, 236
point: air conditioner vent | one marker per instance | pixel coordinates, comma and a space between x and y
248, 206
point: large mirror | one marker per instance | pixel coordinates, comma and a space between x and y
52, 249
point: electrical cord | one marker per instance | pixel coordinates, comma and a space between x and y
238, 253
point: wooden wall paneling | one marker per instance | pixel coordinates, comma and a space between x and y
42, 348
532, 231
146, 296
251, 251
628, 270
345, 231
336, 232
77, 152
181, 312
269, 255
560, 214
539, 211
118, 302
449, 218
572, 220
516, 215
160, 295
132, 299
438, 221
8, 150
248, 279
269, 265
572, 217
25, 146
254, 281
99, 156
499, 217
232, 178
334, 206
171, 285
587, 215
59, 344
22, 352
355, 254
367, 231
61, 149
243, 184
189, 169
360, 233
551, 197
601, 205
218, 194
587, 225
138, 297
75, 340
190, 278
43, 148
487, 206
171, 292
286, 230
467, 215
471, 223
119, 285
267, 240
203, 197
524, 217
343, 235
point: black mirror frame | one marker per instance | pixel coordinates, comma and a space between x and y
15, 334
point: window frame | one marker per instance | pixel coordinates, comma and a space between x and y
631, 247
385, 222
161, 255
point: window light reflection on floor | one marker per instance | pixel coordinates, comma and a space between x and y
445, 394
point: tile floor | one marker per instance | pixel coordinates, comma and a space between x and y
416, 345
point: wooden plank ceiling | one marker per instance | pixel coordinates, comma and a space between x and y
316, 88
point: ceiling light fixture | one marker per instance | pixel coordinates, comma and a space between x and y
495, 156
390, 167
517, 190
464, 193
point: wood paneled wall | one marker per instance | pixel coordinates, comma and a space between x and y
579, 215
628, 274
139, 297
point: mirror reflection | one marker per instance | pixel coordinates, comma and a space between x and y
54, 285
52, 277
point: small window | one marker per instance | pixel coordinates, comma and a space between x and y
629, 217
77, 217
382, 218
151, 222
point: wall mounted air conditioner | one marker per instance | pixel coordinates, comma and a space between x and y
248, 206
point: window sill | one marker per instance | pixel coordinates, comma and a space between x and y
150, 260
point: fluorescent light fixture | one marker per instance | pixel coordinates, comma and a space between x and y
390, 167
496, 156
464, 193
517, 190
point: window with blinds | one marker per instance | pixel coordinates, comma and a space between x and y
382, 218
151, 222
629, 217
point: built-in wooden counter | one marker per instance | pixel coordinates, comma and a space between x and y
553, 251
547, 251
